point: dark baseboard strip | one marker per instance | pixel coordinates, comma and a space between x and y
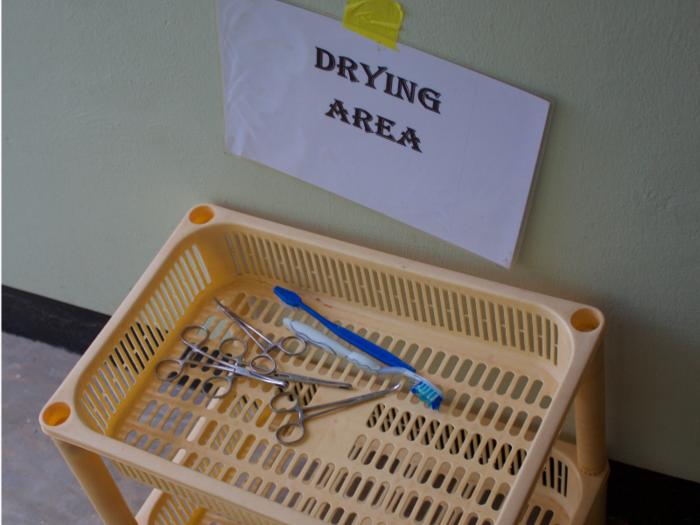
49, 321
638, 496
635, 496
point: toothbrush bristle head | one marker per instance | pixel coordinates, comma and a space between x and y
287, 297
428, 394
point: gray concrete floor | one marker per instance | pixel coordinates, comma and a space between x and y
37, 485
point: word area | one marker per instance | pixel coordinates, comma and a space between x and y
361, 119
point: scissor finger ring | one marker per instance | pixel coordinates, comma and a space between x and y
175, 367
292, 396
287, 430
289, 341
262, 369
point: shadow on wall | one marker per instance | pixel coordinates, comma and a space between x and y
653, 393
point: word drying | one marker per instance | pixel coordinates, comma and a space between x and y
428, 98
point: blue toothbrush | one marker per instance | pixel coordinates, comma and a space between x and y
424, 389
293, 300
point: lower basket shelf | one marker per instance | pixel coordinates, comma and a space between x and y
564, 496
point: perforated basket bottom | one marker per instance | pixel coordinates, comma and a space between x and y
368, 464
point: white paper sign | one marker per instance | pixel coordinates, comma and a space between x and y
437, 146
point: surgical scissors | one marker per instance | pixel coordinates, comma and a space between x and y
267, 346
170, 369
286, 429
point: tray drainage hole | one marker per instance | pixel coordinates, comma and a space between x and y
201, 215
56, 414
585, 320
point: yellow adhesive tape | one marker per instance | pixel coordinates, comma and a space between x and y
379, 20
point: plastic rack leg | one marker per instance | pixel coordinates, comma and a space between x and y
98, 484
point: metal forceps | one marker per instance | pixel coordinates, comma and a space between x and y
171, 368
286, 429
266, 346
278, 375
284, 376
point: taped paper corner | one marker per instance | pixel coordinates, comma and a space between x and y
378, 20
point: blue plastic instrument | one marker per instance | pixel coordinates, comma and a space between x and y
293, 300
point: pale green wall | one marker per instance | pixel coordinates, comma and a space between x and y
113, 128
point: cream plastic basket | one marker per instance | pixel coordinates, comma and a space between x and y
510, 363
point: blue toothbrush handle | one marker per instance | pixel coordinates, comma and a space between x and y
363, 344
373, 350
